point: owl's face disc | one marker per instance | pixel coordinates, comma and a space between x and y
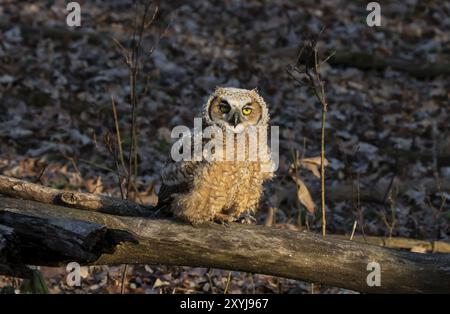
235, 109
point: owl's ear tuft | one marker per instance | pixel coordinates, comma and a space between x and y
218, 90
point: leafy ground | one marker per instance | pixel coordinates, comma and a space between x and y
55, 112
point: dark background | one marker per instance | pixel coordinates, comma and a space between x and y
55, 111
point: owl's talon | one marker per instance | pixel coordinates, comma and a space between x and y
247, 219
193, 224
224, 223
223, 219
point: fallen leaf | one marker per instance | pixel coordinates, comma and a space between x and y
95, 186
303, 194
159, 283
313, 164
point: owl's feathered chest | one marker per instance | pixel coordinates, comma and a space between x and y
230, 180
239, 148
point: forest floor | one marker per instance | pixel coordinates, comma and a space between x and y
385, 130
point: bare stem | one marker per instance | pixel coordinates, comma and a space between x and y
134, 70
316, 84
124, 276
322, 173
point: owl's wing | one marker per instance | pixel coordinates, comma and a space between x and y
166, 194
177, 177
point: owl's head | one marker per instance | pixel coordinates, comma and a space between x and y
235, 109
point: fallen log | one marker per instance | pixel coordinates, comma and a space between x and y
59, 33
376, 192
256, 249
369, 61
7, 242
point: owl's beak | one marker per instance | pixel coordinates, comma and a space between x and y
236, 119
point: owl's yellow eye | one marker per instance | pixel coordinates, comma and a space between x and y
246, 111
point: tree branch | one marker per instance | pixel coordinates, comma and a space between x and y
367, 61
107, 239
22, 189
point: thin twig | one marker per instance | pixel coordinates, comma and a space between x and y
228, 283
112, 148
211, 285
105, 168
39, 178
134, 69
318, 88
353, 230
119, 140
77, 170
124, 275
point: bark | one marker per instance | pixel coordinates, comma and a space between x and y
44, 231
7, 250
401, 243
87, 201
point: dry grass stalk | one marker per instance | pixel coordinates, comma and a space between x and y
310, 75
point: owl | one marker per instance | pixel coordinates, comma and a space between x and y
221, 189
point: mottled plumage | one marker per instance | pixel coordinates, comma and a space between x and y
219, 190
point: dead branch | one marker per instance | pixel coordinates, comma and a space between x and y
59, 33
22, 189
55, 235
367, 61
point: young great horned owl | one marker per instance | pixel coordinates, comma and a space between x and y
221, 190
